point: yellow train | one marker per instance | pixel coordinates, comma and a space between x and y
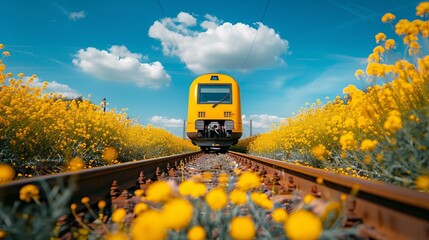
214, 112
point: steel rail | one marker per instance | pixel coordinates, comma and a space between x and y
395, 212
96, 182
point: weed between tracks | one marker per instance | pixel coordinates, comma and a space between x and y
226, 202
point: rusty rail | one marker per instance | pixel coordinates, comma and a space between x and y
96, 182
388, 212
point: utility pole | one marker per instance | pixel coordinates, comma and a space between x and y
250, 128
184, 129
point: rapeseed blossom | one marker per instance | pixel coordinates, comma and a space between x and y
7, 172
217, 199
238, 197
177, 214
279, 215
119, 215
303, 225
29, 192
196, 233
248, 180
159, 191
149, 226
242, 228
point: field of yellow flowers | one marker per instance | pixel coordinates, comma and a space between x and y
379, 131
40, 131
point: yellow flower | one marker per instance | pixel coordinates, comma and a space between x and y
196, 233
85, 200
199, 190
223, 178
7, 172
359, 73
139, 208
217, 199
388, 17
186, 187
279, 215
348, 141
101, 204
29, 192
6, 53
389, 44
76, 164
308, 198
303, 225
138, 192
177, 213
262, 200
380, 36
149, 226
242, 228
73, 206
119, 215
207, 175
422, 9
248, 180
319, 152
1, 46
238, 197
159, 191
368, 145
116, 236
422, 182
393, 122
110, 154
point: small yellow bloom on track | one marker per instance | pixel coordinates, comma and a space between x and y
242, 228
29, 192
196, 233
279, 215
217, 199
303, 225
119, 215
177, 214
159, 191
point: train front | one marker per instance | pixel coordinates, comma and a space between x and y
214, 112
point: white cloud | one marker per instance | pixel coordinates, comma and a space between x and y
57, 88
262, 121
119, 64
77, 15
187, 19
167, 122
220, 46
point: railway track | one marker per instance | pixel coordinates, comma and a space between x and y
383, 211
388, 212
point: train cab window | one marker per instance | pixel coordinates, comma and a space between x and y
214, 93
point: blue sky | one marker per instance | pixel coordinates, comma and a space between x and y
143, 55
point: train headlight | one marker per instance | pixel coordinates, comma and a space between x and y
229, 125
199, 125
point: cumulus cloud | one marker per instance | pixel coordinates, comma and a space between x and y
167, 122
218, 46
261, 121
119, 64
77, 15
57, 88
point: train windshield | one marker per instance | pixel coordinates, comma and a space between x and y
214, 93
